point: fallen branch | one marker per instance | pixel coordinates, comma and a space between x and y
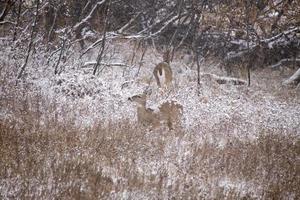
87, 64
225, 80
294, 79
287, 61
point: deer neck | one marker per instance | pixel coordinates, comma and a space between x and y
141, 106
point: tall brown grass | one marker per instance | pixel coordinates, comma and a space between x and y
45, 155
54, 159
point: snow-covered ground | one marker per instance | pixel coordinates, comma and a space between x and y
241, 110
211, 113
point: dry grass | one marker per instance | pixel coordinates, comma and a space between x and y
56, 160
44, 155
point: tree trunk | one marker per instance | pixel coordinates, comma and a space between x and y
7, 8
31, 40
18, 19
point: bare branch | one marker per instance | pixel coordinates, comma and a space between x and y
165, 25
61, 52
89, 16
31, 40
122, 29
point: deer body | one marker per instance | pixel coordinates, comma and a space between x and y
169, 113
147, 117
163, 74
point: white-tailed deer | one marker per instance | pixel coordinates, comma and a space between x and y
169, 113
163, 72
146, 116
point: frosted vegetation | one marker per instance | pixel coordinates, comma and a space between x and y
75, 135
74, 76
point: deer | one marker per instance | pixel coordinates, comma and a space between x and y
146, 116
169, 113
163, 73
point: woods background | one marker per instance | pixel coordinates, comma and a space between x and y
258, 33
68, 131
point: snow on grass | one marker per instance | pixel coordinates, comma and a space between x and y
243, 187
213, 114
104, 96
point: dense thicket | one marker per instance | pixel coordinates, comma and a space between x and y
229, 29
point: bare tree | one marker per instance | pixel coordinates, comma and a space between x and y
102, 48
8, 4
32, 36
18, 19
232, 31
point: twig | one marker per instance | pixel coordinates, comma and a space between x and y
122, 29
89, 16
248, 38
18, 19
61, 53
54, 22
165, 26
135, 49
180, 4
141, 60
